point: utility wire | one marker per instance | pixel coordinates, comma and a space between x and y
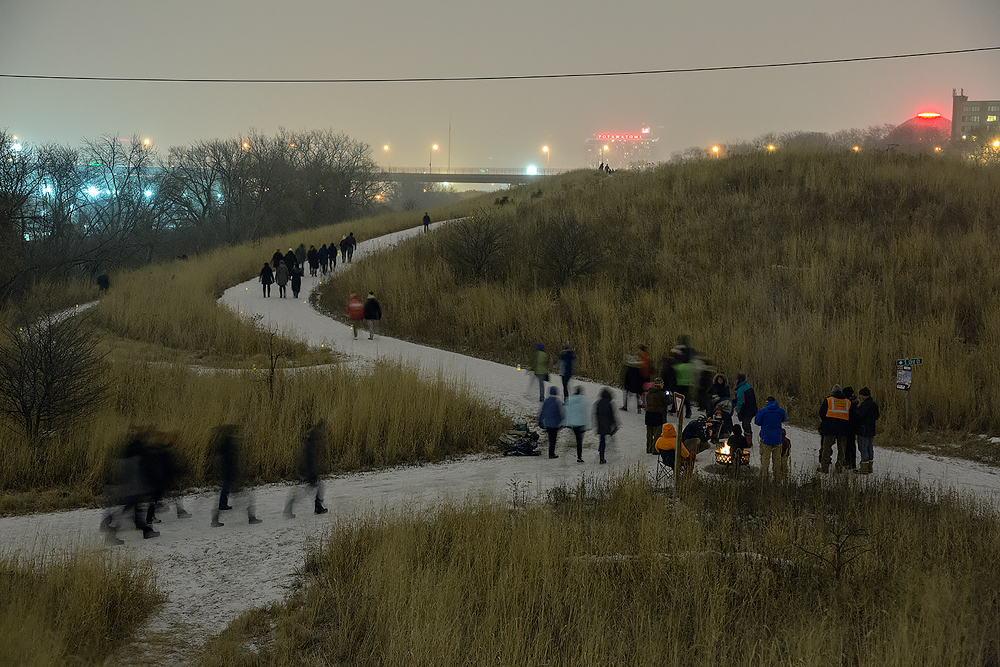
511, 77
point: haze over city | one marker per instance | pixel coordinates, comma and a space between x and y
501, 123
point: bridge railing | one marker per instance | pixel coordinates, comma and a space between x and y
499, 171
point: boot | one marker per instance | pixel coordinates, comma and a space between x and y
148, 533
253, 520
319, 507
183, 513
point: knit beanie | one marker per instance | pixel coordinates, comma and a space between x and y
864, 392
835, 389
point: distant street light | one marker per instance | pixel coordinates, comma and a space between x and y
430, 159
545, 149
715, 151
388, 157
996, 144
771, 147
145, 142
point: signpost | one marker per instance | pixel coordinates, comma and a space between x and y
678, 404
904, 378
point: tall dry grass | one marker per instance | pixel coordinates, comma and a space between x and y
736, 574
800, 269
71, 608
384, 417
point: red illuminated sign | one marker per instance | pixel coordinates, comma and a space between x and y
928, 114
621, 137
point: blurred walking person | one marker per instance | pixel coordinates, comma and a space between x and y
631, 383
577, 419
333, 256
290, 261
266, 278
539, 367
550, 418
276, 258
605, 420
866, 415
656, 413
355, 313
769, 419
373, 313
566, 364
685, 379
309, 471
281, 278
127, 488
225, 446
343, 249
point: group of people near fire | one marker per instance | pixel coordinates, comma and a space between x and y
847, 421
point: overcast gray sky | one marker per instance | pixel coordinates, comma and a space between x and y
501, 123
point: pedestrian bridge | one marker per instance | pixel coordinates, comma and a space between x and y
508, 175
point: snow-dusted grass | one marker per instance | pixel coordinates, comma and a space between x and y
71, 607
808, 574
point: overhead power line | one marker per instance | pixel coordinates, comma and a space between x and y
510, 77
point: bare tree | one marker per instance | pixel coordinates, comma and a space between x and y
567, 248
51, 373
478, 247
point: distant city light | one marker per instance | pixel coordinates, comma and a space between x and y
92, 191
16, 148
149, 193
46, 189
532, 170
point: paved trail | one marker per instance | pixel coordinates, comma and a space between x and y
213, 574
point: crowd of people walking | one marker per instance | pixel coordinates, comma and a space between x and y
287, 269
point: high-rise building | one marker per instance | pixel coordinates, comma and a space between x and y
974, 121
622, 150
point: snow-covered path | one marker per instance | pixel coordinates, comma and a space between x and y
213, 574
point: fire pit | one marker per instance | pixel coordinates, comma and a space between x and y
724, 457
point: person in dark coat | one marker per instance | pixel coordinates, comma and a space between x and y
605, 420
127, 488
324, 258
632, 383
427, 222
313, 258
669, 376
296, 279
300, 255
351, 245
746, 406
276, 258
162, 469
309, 470
266, 278
343, 248
566, 364
225, 447
373, 313
835, 426
550, 418
866, 414
656, 413
103, 282
333, 256
290, 261
281, 278
718, 389
851, 460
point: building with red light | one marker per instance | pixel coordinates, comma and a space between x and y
927, 132
972, 121
622, 150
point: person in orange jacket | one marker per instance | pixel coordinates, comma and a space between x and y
666, 444
355, 313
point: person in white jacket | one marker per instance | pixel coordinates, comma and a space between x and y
577, 417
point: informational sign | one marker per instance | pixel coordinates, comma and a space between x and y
913, 361
678, 401
904, 374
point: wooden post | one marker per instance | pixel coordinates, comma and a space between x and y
678, 444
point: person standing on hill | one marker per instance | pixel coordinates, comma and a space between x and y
835, 425
550, 418
355, 313
656, 413
632, 383
577, 419
567, 364
333, 256
746, 406
866, 415
769, 419
281, 278
296, 281
343, 249
539, 365
351, 245
427, 222
373, 313
324, 258
604, 419
266, 278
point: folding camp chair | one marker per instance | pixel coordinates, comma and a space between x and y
664, 467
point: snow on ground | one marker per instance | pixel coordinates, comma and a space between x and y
212, 574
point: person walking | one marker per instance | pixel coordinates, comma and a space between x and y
300, 256
567, 364
266, 278
312, 256
351, 245
656, 413
539, 365
225, 446
605, 421
632, 383
769, 419
355, 313
276, 258
373, 313
685, 382
577, 418
324, 258
851, 459
669, 379
866, 415
296, 279
309, 471
835, 425
291, 261
746, 406
281, 278
550, 418
427, 222
333, 256
343, 249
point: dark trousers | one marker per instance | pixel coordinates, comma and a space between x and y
578, 432
267, 290
851, 453
565, 379
686, 393
350, 254
553, 432
602, 445
281, 290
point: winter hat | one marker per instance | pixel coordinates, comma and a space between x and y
371, 295
740, 377
864, 391
848, 392
737, 430
835, 389
539, 346
553, 391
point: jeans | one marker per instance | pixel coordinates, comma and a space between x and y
865, 447
770, 455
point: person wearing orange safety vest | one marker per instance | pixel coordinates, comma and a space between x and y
836, 414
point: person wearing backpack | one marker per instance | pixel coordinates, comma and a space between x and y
746, 405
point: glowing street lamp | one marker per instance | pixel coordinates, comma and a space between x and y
715, 151
771, 148
996, 144
430, 158
145, 142
545, 149
388, 157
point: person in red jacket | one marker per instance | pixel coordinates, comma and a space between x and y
355, 313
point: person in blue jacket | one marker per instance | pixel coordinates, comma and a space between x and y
550, 417
769, 419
